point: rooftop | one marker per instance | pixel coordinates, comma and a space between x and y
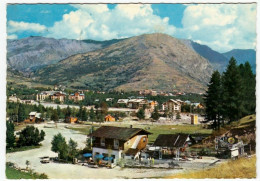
121, 133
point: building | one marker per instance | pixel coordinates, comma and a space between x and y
148, 92
109, 99
194, 119
50, 95
152, 105
187, 102
71, 120
58, 96
172, 144
13, 98
119, 142
33, 117
110, 118
77, 96
137, 103
180, 101
122, 101
172, 106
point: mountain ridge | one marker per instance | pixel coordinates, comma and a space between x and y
147, 61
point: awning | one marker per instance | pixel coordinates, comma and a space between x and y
99, 156
87, 154
108, 158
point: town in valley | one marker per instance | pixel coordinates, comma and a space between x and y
85, 100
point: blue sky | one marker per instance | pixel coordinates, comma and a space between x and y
221, 26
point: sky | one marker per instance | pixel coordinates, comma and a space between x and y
222, 27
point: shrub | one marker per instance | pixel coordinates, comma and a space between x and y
30, 136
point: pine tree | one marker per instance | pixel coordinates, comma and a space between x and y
10, 137
248, 89
92, 115
140, 114
155, 115
59, 112
68, 112
213, 100
232, 103
80, 112
21, 113
84, 116
72, 148
54, 115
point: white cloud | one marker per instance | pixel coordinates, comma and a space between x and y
12, 37
13, 26
98, 22
220, 26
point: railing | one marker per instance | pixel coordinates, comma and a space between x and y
106, 146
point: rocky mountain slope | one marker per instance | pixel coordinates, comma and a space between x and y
217, 60
31, 53
242, 56
154, 61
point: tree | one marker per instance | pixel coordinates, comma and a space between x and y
155, 115
30, 136
140, 114
178, 115
213, 100
79, 115
68, 112
59, 112
104, 108
54, 115
248, 89
92, 115
84, 116
10, 137
232, 102
21, 113
59, 146
72, 148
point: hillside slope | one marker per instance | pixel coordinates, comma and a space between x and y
242, 56
217, 60
154, 61
31, 53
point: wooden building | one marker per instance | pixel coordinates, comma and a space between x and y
110, 118
34, 117
119, 142
172, 144
71, 120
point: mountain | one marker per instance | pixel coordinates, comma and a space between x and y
154, 61
217, 60
242, 56
34, 52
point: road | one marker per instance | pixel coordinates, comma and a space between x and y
70, 171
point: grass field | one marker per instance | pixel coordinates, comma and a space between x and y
241, 168
12, 173
154, 129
